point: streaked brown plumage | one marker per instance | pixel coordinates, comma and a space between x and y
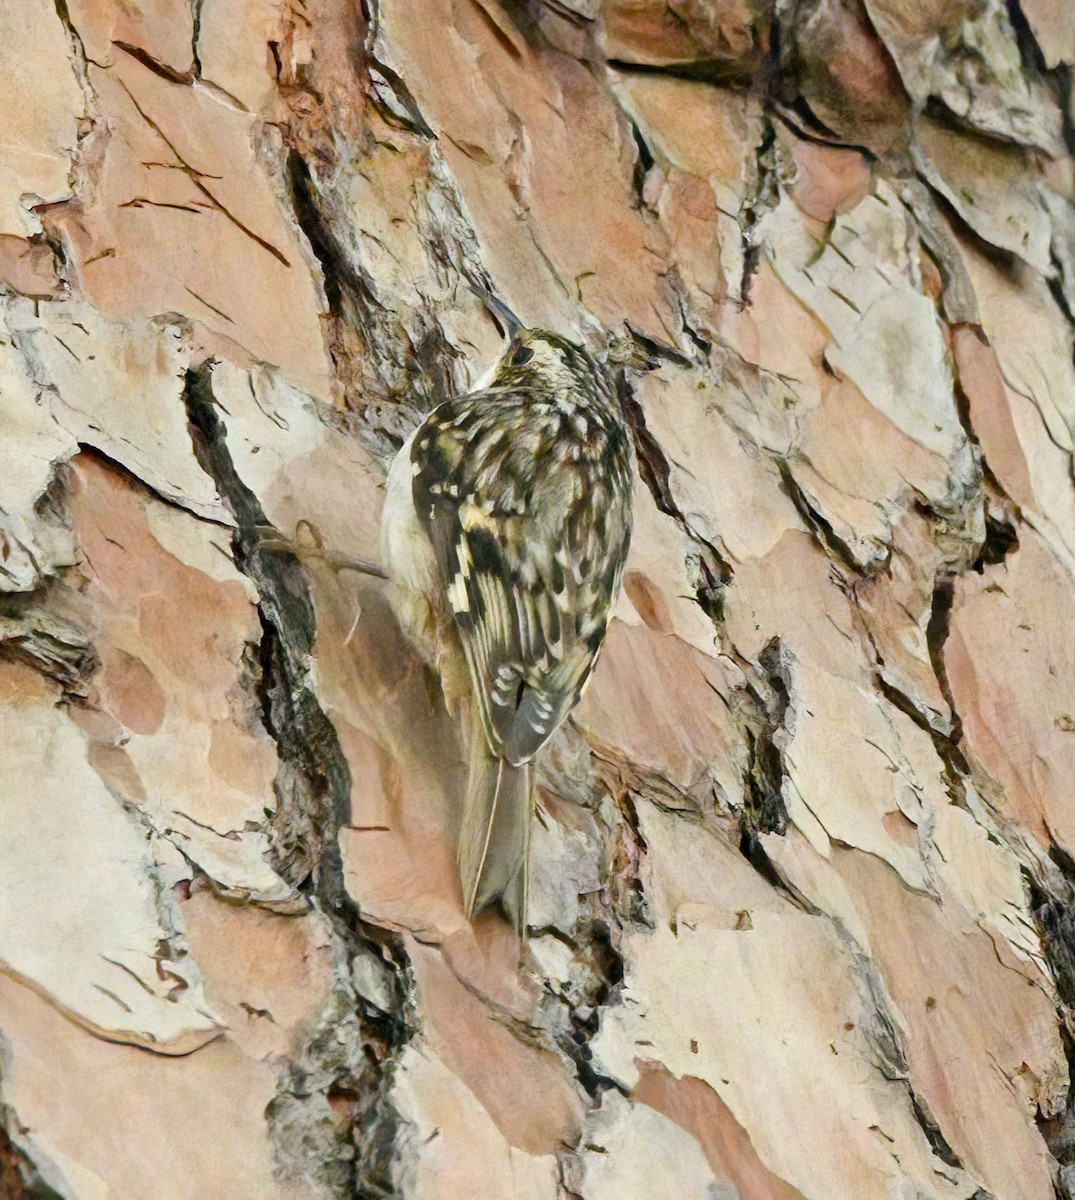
506, 530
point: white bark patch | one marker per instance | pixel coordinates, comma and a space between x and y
84, 924
39, 92
631, 1152
118, 387
456, 1149
885, 335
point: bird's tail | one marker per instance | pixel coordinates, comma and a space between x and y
495, 834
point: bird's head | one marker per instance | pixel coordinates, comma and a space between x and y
538, 357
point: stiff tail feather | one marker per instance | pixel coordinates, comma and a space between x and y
494, 834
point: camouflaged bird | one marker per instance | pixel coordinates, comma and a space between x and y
506, 527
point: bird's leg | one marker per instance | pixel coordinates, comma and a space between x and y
308, 544
273, 540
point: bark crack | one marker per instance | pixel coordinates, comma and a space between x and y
196, 177
764, 698
19, 1177
824, 534
313, 800
764, 810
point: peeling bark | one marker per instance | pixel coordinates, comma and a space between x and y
803, 861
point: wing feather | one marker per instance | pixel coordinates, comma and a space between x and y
528, 577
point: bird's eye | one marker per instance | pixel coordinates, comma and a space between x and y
523, 354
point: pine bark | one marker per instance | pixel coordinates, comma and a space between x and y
803, 865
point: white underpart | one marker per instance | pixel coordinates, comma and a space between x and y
407, 552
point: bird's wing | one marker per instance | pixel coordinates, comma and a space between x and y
530, 548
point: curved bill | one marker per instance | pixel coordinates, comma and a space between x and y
506, 321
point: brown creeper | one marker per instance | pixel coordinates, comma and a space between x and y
506, 528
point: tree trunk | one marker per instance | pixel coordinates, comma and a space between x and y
803, 864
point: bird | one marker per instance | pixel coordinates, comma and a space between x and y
505, 532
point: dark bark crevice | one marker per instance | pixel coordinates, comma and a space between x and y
764, 810
1001, 539
644, 163
393, 100
391, 374
824, 534
762, 199
32, 635
1005, 261
1052, 906
713, 71
313, 799
594, 945
937, 629
19, 1178
348, 293
937, 1141
954, 764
